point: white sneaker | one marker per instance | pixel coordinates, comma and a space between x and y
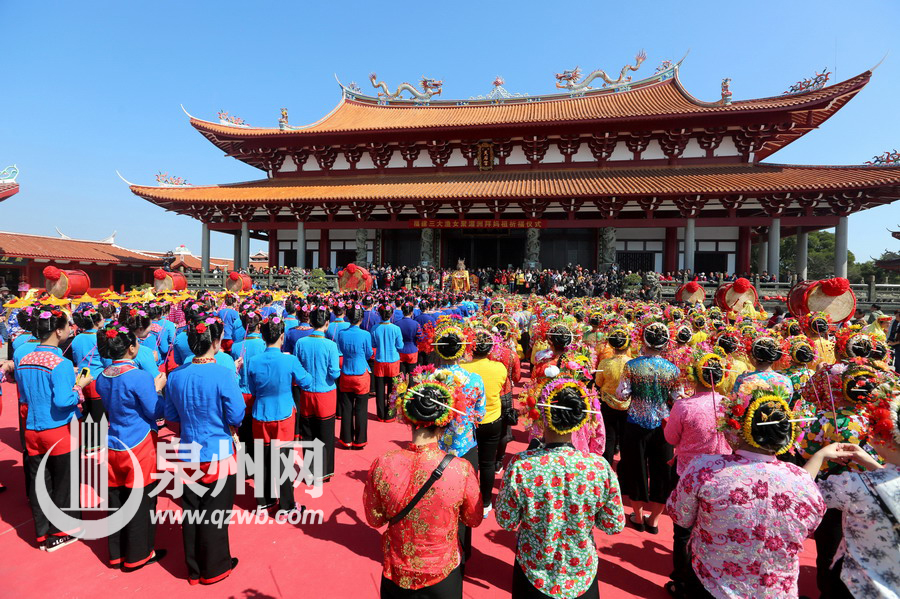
487, 510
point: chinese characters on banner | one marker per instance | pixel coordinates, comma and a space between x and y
469, 223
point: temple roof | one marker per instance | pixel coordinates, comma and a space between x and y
548, 184
657, 97
8, 190
22, 245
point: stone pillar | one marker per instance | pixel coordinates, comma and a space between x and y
742, 265
841, 235
301, 245
245, 244
802, 261
426, 247
204, 248
362, 237
532, 248
237, 251
775, 248
762, 255
690, 243
606, 248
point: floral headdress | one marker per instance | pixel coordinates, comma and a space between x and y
852, 342
883, 414
698, 371
448, 385
739, 409
809, 321
801, 342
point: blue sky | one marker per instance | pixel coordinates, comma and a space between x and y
91, 87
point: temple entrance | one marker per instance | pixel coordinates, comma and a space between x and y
483, 249
635, 261
710, 262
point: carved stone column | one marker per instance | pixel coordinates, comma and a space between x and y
362, 237
606, 248
426, 247
532, 248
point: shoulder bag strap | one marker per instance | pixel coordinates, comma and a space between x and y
435, 475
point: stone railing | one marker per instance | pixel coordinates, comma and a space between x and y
196, 281
884, 294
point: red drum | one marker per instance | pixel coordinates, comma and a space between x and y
354, 278
832, 296
238, 281
168, 281
66, 283
735, 295
691, 292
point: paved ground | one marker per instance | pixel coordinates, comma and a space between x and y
340, 558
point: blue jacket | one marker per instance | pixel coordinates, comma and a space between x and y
336, 326
47, 384
131, 402
355, 345
144, 360
85, 354
181, 348
388, 341
412, 334
153, 342
20, 339
252, 345
320, 357
292, 336
232, 320
271, 374
370, 320
206, 401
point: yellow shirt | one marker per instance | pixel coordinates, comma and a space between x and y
494, 376
609, 376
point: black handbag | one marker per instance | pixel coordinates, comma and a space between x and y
508, 414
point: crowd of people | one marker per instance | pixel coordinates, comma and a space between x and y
750, 433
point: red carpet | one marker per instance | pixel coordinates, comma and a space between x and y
338, 559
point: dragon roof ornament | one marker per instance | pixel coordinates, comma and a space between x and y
164, 180
886, 159
9, 174
571, 79
814, 83
231, 120
430, 87
500, 95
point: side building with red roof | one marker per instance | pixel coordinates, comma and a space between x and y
23, 258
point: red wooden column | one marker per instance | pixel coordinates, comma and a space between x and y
324, 249
742, 263
273, 248
670, 250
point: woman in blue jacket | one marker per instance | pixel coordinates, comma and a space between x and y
50, 394
85, 355
388, 341
203, 404
241, 352
411, 332
355, 346
132, 401
317, 405
270, 375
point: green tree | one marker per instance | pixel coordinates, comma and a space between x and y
820, 256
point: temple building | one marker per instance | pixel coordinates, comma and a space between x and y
635, 172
